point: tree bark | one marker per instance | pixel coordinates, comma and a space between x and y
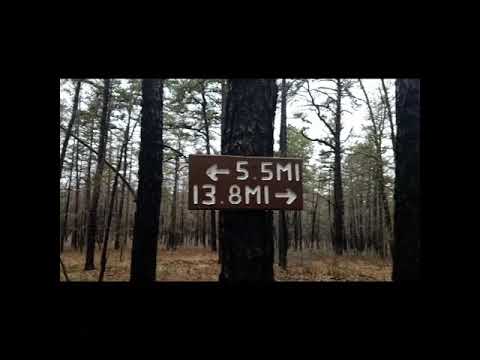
223, 141
87, 188
213, 221
283, 229
150, 178
249, 118
390, 119
92, 223
103, 261
338, 206
314, 216
70, 126
108, 186
377, 134
172, 233
67, 206
182, 217
406, 247
76, 230
122, 189
204, 229
127, 210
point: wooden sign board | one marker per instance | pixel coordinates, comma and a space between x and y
245, 182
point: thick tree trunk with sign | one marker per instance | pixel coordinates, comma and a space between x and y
406, 247
283, 229
150, 178
92, 222
247, 235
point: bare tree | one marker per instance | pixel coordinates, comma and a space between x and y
92, 223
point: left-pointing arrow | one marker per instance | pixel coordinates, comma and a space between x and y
289, 194
213, 170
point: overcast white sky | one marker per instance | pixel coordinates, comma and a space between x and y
316, 129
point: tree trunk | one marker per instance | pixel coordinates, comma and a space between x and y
295, 230
319, 236
127, 210
353, 224
374, 228
204, 228
182, 217
213, 221
197, 228
87, 190
70, 126
378, 133
314, 216
120, 209
76, 230
105, 207
67, 206
338, 207
283, 229
92, 223
406, 250
103, 261
150, 178
390, 119
384, 201
122, 189
361, 222
381, 237
223, 141
172, 233
300, 231
249, 118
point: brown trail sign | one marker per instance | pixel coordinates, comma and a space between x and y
245, 182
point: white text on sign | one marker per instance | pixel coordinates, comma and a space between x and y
239, 194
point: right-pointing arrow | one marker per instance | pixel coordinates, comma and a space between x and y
289, 194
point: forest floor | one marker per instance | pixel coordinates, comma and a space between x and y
202, 265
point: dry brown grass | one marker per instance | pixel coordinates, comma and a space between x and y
202, 265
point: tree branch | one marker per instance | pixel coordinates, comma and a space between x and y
317, 107
106, 163
348, 136
317, 140
175, 151
189, 127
